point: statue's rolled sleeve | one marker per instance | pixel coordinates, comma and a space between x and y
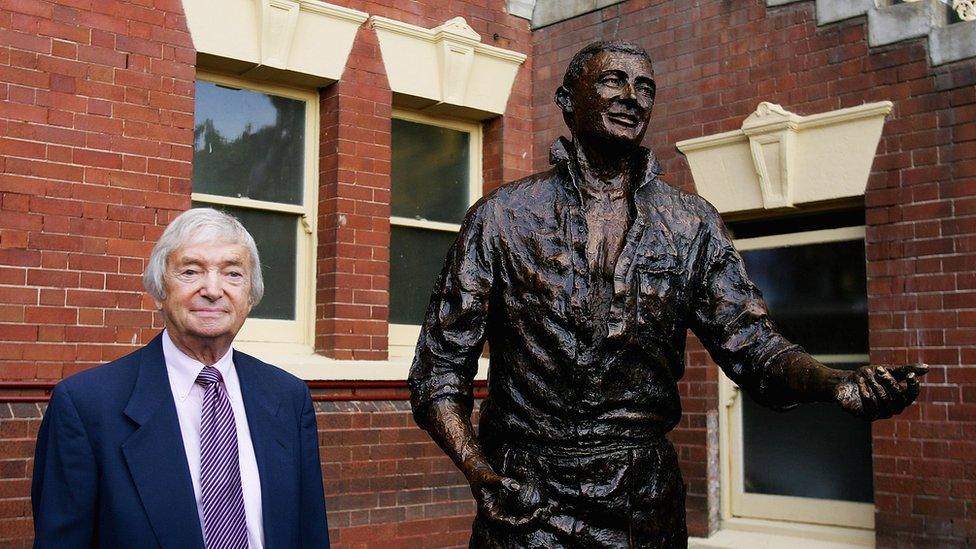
453, 333
731, 320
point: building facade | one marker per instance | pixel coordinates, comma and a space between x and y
838, 139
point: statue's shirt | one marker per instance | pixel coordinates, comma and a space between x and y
518, 277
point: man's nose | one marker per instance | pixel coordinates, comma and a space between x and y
627, 91
212, 287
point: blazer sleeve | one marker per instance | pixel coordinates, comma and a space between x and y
65, 480
314, 524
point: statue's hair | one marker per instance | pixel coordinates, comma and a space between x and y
579, 60
195, 225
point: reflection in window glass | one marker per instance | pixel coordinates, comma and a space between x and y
274, 234
248, 144
416, 258
430, 172
815, 451
817, 298
817, 294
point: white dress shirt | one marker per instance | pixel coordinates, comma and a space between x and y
183, 372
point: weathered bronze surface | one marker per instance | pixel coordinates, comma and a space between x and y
584, 279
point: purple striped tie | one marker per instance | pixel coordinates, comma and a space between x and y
224, 525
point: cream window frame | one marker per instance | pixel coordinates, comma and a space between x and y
295, 335
402, 338
772, 513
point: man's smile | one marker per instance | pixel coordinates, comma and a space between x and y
623, 118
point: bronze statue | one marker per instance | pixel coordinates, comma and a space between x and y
584, 280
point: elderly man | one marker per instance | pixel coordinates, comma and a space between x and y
185, 442
584, 280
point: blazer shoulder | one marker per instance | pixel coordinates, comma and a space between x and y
105, 380
270, 374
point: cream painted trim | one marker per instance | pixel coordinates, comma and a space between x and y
750, 534
446, 70
248, 203
739, 507
301, 330
424, 224
402, 338
779, 159
304, 40
839, 521
843, 359
800, 239
303, 362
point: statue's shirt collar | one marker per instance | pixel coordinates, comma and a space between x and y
646, 165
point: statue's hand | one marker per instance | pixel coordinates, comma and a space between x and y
506, 500
878, 392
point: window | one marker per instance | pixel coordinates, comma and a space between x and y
811, 464
435, 177
254, 158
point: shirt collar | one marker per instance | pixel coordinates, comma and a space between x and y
184, 369
562, 152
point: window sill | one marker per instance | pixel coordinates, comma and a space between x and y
302, 362
752, 533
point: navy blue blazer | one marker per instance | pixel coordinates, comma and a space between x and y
110, 469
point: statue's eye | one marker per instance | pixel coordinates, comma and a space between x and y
611, 80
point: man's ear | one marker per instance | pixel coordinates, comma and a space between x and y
563, 100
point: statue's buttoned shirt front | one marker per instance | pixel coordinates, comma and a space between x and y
560, 377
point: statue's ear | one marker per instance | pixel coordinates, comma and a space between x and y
563, 100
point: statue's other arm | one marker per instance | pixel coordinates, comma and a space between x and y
446, 361
730, 318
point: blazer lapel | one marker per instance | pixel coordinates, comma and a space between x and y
156, 456
262, 406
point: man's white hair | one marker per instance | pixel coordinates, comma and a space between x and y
193, 226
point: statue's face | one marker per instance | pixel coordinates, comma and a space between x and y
612, 98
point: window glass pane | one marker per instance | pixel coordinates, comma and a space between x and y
416, 258
430, 172
814, 450
248, 144
817, 298
275, 235
817, 294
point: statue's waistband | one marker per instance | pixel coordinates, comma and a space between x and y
558, 450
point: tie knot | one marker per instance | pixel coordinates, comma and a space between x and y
209, 375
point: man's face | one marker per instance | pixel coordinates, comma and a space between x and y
208, 291
612, 98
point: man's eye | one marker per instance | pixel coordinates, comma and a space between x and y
188, 272
235, 274
611, 81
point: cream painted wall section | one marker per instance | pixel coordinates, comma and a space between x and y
780, 159
303, 41
446, 70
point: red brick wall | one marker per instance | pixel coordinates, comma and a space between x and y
96, 126
96, 119
715, 61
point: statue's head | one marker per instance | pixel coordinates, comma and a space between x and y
607, 93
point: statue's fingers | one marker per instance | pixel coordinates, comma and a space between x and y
896, 399
882, 399
869, 407
913, 387
901, 372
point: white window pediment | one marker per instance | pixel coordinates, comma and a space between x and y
779, 159
446, 70
299, 41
